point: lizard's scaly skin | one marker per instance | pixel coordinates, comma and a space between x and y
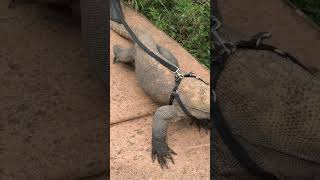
158, 81
273, 108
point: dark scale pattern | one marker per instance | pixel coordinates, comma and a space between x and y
273, 104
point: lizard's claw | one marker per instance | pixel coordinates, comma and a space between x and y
116, 50
162, 156
201, 123
115, 60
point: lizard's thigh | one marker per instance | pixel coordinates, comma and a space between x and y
124, 55
168, 55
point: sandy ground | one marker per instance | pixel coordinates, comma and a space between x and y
51, 107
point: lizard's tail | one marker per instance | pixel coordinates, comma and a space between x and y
121, 30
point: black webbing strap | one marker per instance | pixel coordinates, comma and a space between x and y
165, 63
246, 45
178, 81
184, 109
175, 93
256, 44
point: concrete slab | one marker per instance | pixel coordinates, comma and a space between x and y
130, 151
128, 100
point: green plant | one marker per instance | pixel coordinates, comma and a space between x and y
186, 21
310, 7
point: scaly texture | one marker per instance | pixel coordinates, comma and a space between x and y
157, 81
273, 109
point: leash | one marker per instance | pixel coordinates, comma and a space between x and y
165, 63
176, 70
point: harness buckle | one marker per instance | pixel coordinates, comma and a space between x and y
189, 74
178, 75
257, 39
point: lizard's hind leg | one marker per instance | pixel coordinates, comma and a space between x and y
168, 55
123, 55
160, 148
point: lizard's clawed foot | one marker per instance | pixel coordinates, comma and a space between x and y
162, 154
115, 60
116, 50
201, 123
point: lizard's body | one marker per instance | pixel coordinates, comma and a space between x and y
272, 107
158, 81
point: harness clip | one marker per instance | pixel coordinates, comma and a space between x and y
178, 75
257, 39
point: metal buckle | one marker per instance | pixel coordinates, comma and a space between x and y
258, 38
178, 75
189, 74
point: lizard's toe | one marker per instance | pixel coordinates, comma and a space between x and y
116, 50
201, 123
115, 60
162, 155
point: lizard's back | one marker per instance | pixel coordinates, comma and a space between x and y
272, 102
155, 79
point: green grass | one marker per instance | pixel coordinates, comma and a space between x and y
186, 21
310, 7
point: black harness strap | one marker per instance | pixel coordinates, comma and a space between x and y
170, 66
175, 93
248, 45
256, 43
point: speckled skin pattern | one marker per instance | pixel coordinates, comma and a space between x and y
272, 108
157, 81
